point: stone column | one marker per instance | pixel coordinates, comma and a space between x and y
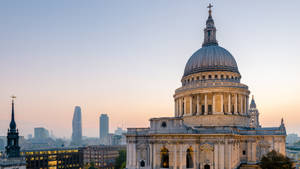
229, 103
247, 108
249, 151
246, 104
198, 104
197, 156
175, 109
179, 106
229, 155
222, 103
221, 156
184, 107
216, 156
253, 146
205, 104
180, 161
194, 156
241, 105
154, 156
127, 155
226, 155
191, 105
134, 155
151, 155
213, 104
175, 156
236, 104
130, 154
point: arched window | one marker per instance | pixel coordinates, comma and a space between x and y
206, 166
142, 163
189, 158
164, 158
163, 124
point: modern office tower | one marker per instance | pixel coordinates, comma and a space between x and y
104, 126
41, 133
77, 126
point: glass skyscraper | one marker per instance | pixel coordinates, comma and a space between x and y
77, 126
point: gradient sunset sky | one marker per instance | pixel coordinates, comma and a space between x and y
126, 58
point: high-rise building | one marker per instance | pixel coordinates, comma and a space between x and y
104, 126
40, 133
77, 126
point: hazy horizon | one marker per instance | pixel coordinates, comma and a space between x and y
126, 58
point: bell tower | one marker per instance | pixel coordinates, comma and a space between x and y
12, 149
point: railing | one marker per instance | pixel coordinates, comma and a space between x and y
211, 83
137, 130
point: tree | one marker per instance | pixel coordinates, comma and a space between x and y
121, 160
90, 166
275, 160
297, 143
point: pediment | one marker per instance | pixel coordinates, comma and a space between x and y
206, 147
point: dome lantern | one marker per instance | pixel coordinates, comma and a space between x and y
210, 30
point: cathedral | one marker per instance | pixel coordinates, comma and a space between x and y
214, 126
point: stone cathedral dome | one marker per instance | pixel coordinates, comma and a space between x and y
211, 57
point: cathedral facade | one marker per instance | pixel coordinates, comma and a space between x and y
213, 127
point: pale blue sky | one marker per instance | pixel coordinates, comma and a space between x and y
126, 57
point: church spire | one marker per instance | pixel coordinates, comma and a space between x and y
12, 124
12, 148
210, 30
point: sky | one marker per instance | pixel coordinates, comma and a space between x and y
125, 58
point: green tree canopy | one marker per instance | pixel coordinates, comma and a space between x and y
121, 160
275, 160
297, 143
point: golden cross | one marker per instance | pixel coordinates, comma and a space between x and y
209, 6
13, 97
